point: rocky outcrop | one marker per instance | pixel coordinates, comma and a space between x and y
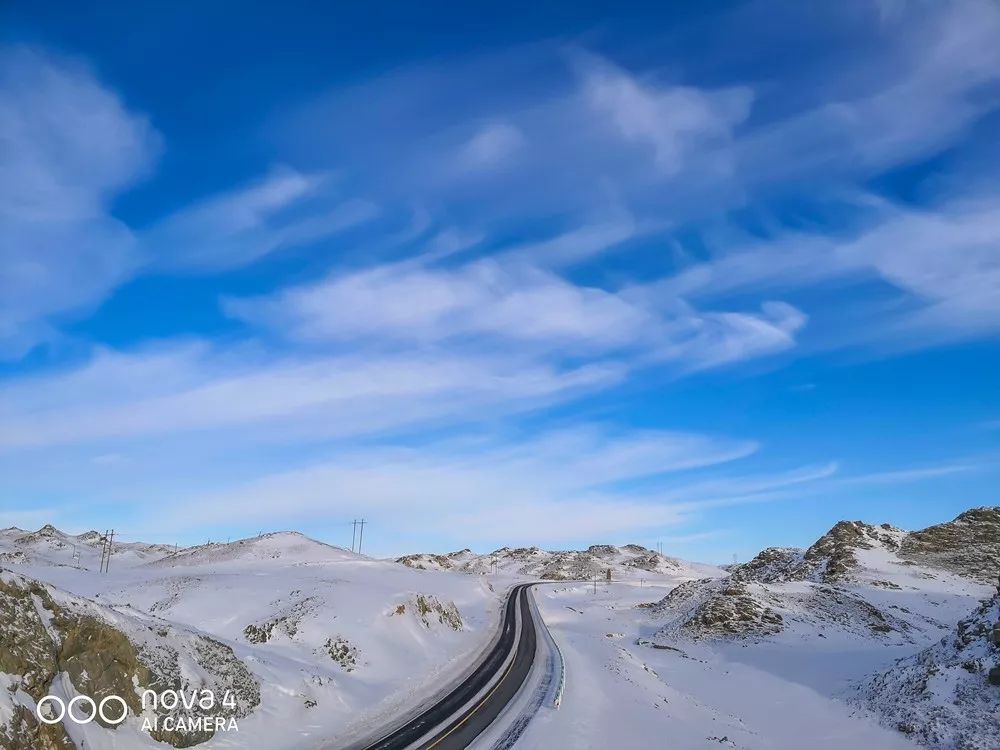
427, 562
968, 546
771, 565
733, 611
45, 633
430, 608
833, 556
343, 652
632, 560
945, 696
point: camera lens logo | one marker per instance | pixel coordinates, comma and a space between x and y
61, 710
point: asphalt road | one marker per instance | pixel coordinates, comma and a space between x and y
459, 722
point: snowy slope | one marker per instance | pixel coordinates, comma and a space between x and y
693, 695
334, 642
50, 546
770, 656
857, 582
944, 695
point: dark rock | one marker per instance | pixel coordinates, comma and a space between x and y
968, 546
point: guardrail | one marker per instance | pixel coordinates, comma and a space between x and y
561, 666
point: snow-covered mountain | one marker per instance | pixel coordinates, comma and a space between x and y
856, 598
324, 643
948, 695
50, 546
329, 643
630, 562
55, 642
857, 580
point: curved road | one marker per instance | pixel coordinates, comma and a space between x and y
457, 719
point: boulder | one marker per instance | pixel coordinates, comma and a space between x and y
995, 676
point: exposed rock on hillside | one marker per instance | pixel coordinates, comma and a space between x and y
630, 561
857, 580
430, 608
427, 562
834, 555
45, 633
942, 695
733, 611
968, 546
771, 565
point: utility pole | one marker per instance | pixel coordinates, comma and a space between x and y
104, 550
106, 559
361, 534
354, 535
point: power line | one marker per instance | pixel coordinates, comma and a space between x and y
106, 549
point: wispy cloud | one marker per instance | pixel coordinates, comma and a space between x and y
545, 489
285, 209
70, 146
675, 122
196, 389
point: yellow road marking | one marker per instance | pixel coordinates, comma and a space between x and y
486, 698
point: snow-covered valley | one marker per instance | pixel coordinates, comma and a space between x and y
871, 637
333, 643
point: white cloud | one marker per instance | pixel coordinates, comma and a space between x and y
492, 144
930, 85
284, 209
505, 303
183, 390
70, 145
943, 263
484, 298
675, 122
578, 244
947, 260
543, 489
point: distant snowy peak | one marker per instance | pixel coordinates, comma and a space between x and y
49, 546
281, 547
627, 562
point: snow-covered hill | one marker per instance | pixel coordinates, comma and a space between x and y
948, 695
330, 642
58, 643
52, 547
856, 581
859, 597
630, 562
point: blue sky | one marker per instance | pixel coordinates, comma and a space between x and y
712, 276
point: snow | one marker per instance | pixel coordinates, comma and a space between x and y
799, 648
302, 596
771, 657
623, 695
